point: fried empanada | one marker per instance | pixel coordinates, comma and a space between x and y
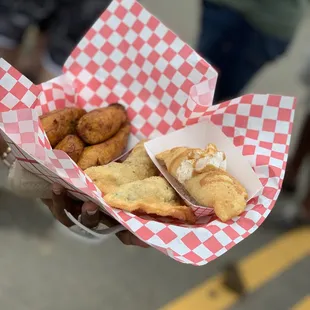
151, 196
101, 124
60, 123
217, 189
203, 175
105, 152
137, 166
72, 145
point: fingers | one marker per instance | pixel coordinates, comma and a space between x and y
59, 203
3, 145
128, 238
90, 215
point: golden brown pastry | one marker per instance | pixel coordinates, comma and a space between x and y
138, 166
105, 152
217, 189
101, 124
60, 123
72, 145
203, 175
183, 162
151, 196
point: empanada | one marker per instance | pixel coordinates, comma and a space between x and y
203, 175
151, 196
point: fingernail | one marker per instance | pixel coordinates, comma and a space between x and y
57, 189
91, 212
90, 208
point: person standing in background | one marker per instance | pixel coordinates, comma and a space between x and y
238, 37
61, 23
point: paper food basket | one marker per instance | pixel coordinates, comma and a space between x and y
129, 56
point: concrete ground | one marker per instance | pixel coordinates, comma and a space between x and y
43, 268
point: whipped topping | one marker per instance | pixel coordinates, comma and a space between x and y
198, 160
217, 160
185, 171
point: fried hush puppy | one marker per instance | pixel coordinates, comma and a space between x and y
60, 123
151, 196
101, 124
105, 152
72, 145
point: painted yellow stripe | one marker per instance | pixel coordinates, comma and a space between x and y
303, 305
256, 269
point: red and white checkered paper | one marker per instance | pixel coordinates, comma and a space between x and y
130, 57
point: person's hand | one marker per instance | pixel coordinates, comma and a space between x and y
90, 215
3, 145
5, 153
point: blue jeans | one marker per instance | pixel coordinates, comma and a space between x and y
234, 48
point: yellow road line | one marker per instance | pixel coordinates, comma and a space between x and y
304, 304
256, 269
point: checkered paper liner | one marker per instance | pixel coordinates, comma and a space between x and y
130, 57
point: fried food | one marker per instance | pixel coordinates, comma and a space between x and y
138, 166
203, 175
217, 189
72, 145
151, 196
101, 124
60, 123
183, 162
105, 152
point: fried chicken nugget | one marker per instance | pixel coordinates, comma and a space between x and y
101, 124
72, 145
105, 152
60, 123
151, 196
137, 166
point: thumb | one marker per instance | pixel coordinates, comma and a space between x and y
128, 238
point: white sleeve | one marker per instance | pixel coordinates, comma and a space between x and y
27, 185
